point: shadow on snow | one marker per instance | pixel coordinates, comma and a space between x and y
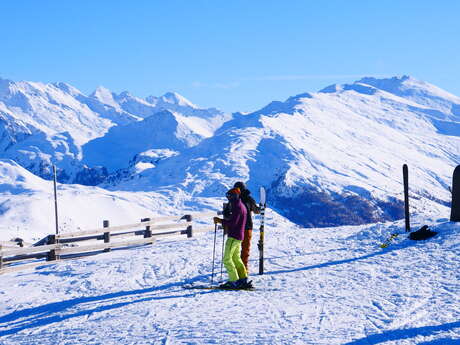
398, 334
344, 261
59, 311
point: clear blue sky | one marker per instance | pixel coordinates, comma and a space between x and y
234, 55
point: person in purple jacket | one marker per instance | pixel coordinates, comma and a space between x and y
235, 225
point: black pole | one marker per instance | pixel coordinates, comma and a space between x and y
455, 206
406, 196
55, 201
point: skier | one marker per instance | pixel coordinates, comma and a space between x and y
251, 206
238, 277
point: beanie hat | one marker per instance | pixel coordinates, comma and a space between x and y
240, 185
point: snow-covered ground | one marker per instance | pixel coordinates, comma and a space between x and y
321, 286
325, 158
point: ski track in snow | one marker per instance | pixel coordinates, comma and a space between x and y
321, 286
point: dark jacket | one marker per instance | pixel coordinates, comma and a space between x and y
237, 221
251, 206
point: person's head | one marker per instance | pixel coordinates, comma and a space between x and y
233, 194
239, 185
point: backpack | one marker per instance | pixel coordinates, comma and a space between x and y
422, 234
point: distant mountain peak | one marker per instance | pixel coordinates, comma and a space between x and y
101, 90
176, 99
403, 85
101, 93
67, 88
396, 84
415, 90
390, 80
357, 86
125, 94
299, 96
288, 106
105, 96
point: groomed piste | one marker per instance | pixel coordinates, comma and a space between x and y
321, 286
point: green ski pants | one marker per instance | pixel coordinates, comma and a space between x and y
232, 260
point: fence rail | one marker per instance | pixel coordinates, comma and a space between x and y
83, 243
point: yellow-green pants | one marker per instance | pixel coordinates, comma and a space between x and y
232, 260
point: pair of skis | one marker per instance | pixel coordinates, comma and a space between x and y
260, 244
205, 287
389, 240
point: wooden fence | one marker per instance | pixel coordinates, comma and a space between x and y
90, 242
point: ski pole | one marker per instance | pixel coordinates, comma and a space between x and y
222, 261
214, 253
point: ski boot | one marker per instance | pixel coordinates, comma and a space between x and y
244, 284
229, 285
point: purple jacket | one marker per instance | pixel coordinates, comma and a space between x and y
237, 221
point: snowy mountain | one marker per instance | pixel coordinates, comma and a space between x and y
328, 158
163, 130
202, 121
170, 122
46, 124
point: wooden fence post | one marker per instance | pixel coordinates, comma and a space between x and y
188, 218
148, 232
52, 253
105, 224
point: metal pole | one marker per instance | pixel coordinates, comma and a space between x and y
214, 253
406, 196
222, 261
55, 201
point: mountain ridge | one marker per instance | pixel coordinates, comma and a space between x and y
36, 118
327, 158
336, 157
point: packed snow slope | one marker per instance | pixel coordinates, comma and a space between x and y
27, 205
330, 158
321, 286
